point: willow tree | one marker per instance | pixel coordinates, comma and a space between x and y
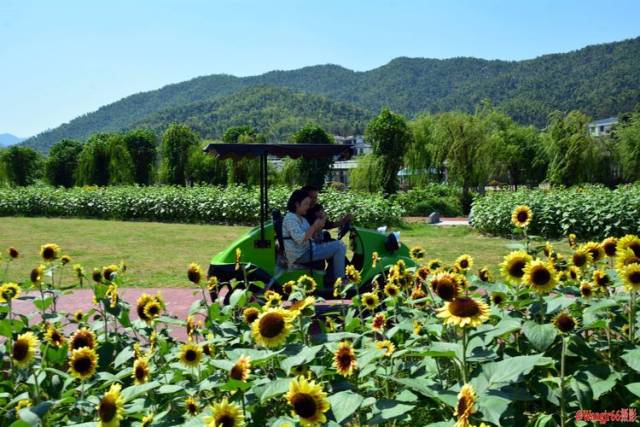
177, 143
419, 155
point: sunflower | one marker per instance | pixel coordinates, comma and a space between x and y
191, 405
344, 359
212, 283
464, 312
586, 290
498, 298
65, 259
595, 249
445, 286
308, 401
49, 252
273, 299
147, 420
422, 273
225, 414
417, 253
387, 346
565, 322
391, 290
464, 262
24, 349
303, 306
379, 321
238, 258
573, 240
141, 303
241, 369
272, 327
190, 355
574, 273
79, 270
581, 257
111, 407
370, 300
465, 405
484, 274
630, 241
83, 337
82, 363
78, 316
287, 288
112, 294
434, 264
194, 273
152, 309
307, 283
374, 259
352, 274
417, 293
36, 274
13, 253
631, 277
250, 314
521, 216
109, 271
547, 249
417, 327
541, 276
601, 278
626, 257
609, 245
9, 291
24, 403
141, 370
54, 337
512, 267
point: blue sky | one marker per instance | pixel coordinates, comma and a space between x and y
60, 59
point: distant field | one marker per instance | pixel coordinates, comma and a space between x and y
157, 254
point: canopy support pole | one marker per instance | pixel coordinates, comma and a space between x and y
264, 203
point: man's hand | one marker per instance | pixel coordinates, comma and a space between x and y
319, 223
345, 219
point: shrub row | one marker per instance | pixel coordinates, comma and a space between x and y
590, 211
441, 198
199, 204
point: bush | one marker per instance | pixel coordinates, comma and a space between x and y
590, 211
199, 204
422, 201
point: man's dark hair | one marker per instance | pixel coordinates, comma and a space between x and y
296, 197
310, 189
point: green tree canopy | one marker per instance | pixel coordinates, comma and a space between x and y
389, 135
142, 147
22, 165
628, 137
121, 166
177, 143
93, 162
243, 171
61, 165
313, 171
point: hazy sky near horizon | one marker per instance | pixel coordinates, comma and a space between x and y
61, 59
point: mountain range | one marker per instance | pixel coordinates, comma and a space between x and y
601, 80
7, 139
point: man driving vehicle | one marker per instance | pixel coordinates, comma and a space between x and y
316, 211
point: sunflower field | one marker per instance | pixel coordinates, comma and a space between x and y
199, 204
441, 344
590, 211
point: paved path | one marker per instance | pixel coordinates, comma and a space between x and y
443, 220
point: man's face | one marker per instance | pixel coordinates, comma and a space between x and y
313, 198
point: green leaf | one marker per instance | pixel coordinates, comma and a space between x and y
505, 326
43, 304
238, 298
540, 336
33, 414
232, 385
124, 356
195, 306
492, 407
274, 388
511, 370
558, 303
8, 327
305, 356
255, 355
429, 389
344, 404
170, 388
386, 410
632, 357
443, 349
634, 388
134, 391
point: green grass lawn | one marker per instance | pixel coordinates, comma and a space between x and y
157, 254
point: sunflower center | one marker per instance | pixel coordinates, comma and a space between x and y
82, 365
141, 373
153, 309
344, 360
579, 260
107, 409
392, 290
20, 350
81, 341
517, 268
446, 291
237, 372
48, 253
225, 420
586, 291
497, 299
609, 249
271, 325
464, 307
370, 301
635, 247
251, 316
635, 277
190, 355
464, 263
522, 216
566, 323
191, 407
540, 276
304, 405
463, 405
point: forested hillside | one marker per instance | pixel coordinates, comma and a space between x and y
601, 80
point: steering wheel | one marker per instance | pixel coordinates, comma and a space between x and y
344, 230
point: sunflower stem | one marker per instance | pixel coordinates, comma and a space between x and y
464, 355
36, 398
562, 403
632, 317
541, 309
